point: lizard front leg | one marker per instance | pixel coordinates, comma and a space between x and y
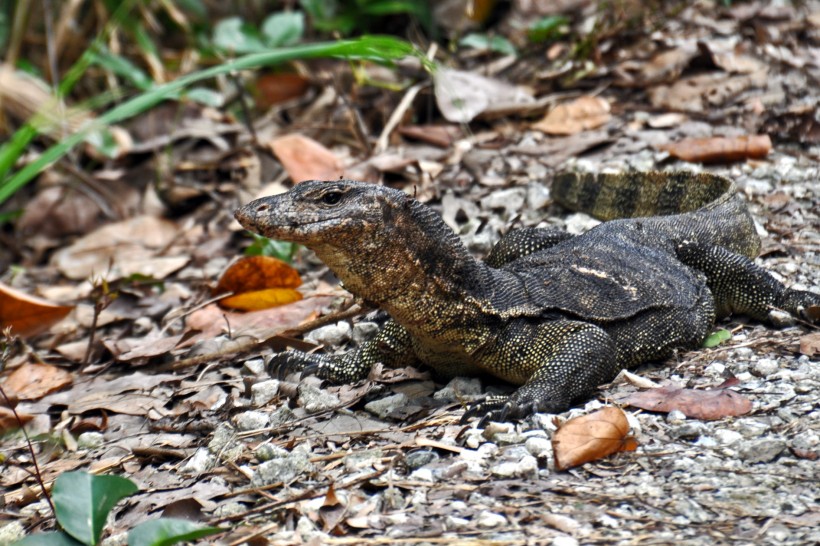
523, 242
556, 362
391, 347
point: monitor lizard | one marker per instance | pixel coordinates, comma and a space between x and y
554, 313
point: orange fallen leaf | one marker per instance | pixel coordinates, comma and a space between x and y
305, 159
261, 299
28, 315
720, 149
582, 114
592, 437
706, 404
259, 282
33, 381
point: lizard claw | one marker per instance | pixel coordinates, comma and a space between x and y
491, 408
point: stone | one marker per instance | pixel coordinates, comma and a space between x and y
364, 331
252, 420
332, 334
539, 447
201, 461
460, 389
263, 392
282, 469
526, 467
761, 451
315, 400
385, 406
488, 520
90, 440
254, 366
765, 367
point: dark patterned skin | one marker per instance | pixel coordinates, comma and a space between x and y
556, 314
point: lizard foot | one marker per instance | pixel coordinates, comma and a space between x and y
499, 408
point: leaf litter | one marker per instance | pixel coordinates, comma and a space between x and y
167, 386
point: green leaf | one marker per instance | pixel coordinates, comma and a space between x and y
498, 44
393, 7
82, 502
236, 36
206, 96
548, 28
121, 67
262, 246
167, 531
55, 538
716, 338
284, 28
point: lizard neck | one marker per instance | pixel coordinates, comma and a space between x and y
407, 265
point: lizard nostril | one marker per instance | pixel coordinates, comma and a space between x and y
262, 208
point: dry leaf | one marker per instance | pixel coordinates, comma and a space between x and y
259, 282
305, 159
720, 149
273, 89
9, 422
592, 437
33, 381
442, 136
28, 315
810, 344
707, 404
213, 321
461, 95
122, 249
582, 114
261, 299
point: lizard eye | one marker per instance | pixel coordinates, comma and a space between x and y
331, 198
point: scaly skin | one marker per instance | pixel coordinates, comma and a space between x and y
557, 315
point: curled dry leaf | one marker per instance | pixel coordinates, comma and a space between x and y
720, 149
709, 404
259, 282
592, 437
27, 315
582, 114
305, 159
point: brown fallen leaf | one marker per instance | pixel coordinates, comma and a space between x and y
582, 114
720, 149
438, 135
213, 321
122, 249
33, 381
810, 344
709, 404
28, 315
259, 282
305, 159
273, 89
592, 437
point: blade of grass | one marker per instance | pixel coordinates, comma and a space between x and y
380, 48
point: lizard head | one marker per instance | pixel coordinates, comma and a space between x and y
322, 213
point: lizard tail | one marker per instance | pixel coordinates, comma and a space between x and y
639, 194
